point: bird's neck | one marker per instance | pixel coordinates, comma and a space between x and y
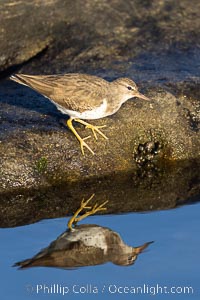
113, 102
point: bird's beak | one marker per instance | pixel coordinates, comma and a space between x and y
141, 96
139, 249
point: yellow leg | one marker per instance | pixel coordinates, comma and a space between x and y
93, 128
81, 140
76, 218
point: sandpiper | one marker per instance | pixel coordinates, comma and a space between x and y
85, 245
82, 97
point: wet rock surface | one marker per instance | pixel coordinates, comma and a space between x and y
156, 43
146, 189
73, 36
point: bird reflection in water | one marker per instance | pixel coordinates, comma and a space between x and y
85, 245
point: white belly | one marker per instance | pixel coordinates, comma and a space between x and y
96, 113
93, 237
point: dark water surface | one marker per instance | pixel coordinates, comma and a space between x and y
168, 268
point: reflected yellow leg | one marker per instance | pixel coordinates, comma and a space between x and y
81, 140
93, 128
76, 218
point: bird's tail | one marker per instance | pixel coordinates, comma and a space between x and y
19, 79
35, 82
27, 263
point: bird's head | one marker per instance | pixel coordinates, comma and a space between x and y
127, 89
128, 258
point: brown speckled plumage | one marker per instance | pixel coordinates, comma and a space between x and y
74, 91
70, 249
79, 92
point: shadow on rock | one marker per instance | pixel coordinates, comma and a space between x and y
148, 188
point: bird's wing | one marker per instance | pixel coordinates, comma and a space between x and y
72, 91
78, 256
83, 256
65, 253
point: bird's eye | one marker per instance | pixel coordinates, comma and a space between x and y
130, 258
129, 88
